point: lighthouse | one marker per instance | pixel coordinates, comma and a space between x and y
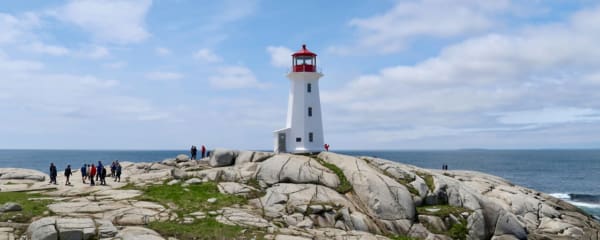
303, 132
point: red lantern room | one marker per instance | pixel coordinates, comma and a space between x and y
304, 60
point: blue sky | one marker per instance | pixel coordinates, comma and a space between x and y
423, 74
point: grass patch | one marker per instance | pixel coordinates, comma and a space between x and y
191, 200
428, 180
129, 186
398, 237
345, 185
207, 228
31, 208
459, 231
405, 182
253, 182
444, 210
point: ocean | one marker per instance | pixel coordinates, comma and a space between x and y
572, 175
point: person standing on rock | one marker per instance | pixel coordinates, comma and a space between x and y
113, 167
118, 176
68, 174
53, 173
92, 174
193, 152
203, 151
326, 146
103, 176
98, 167
83, 173
89, 170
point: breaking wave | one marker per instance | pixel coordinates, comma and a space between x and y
588, 202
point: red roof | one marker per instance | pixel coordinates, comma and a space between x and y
304, 52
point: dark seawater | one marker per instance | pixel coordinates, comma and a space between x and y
573, 175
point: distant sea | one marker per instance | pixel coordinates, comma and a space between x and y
572, 175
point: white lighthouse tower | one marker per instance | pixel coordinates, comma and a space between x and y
303, 132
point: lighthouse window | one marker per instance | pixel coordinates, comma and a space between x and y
308, 87
298, 139
310, 137
310, 112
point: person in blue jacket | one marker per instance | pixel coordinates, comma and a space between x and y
83, 172
99, 166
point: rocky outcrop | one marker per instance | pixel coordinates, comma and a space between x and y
299, 197
10, 207
226, 157
21, 174
287, 168
383, 198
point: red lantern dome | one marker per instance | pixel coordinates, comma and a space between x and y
304, 60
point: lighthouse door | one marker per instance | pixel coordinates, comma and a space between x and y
281, 142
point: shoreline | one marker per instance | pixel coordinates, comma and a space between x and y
382, 198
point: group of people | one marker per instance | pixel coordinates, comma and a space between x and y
194, 152
444, 166
89, 172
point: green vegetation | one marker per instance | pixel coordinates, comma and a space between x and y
208, 228
397, 237
428, 180
253, 182
345, 186
459, 231
191, 198
444, 210
129, 186
31, 208
405, 182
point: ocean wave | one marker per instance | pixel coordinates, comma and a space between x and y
563, 196
579, 200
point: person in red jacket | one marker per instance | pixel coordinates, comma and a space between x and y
203, 151
326, 146
92, 174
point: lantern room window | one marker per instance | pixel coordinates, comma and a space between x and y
304, 61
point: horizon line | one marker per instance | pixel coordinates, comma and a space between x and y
340, 150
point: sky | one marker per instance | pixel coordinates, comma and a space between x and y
422, 74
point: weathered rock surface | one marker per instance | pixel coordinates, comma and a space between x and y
21, 174
287, 168
138, 233
222, 157
297, 198
10, 207
385, 199
182, 158
52, 228
43, 229
235, 188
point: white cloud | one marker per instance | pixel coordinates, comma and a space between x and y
52, 96
207, 55
162, 51
117, 21
158, 75
393, 30
550, 116
535, 75
8, 65
115, 65
15, 28
230, 11
43, 48
235, 77
280, 56
95, 52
